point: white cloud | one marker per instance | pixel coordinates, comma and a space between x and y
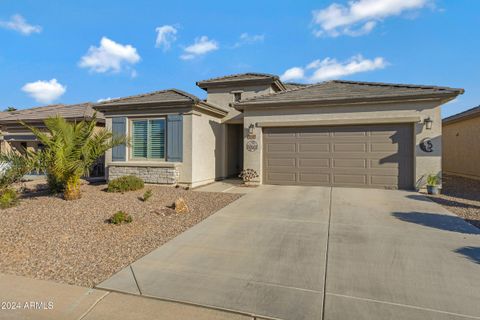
18, 23
246, 38
360, 16
165, 36
295, 73
109, 56
44, 91
328, 68
201, 46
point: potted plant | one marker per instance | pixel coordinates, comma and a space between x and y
433, 181
248, 175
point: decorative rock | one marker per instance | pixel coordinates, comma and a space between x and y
181, 206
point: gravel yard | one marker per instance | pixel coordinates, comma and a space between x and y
46, 237
462, 197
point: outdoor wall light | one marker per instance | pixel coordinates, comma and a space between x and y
428, 123
250, 128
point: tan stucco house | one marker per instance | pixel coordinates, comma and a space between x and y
335, 133
461, 147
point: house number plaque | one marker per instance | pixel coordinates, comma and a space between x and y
252, 146
426, 145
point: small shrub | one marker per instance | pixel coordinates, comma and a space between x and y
433, 180
248, 175
8, 198
147, 195
125, 183
120, 217
180, 206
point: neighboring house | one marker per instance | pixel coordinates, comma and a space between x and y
461, 147
15, 136
335, 133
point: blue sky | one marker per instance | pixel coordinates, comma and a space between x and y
53, 52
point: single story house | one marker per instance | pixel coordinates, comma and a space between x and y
461, 149
334, 133
15, 136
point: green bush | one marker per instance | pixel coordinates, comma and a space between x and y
433, 180
8, 198
125, 183
120, 217
147, 195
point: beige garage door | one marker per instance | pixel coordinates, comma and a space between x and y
376, 156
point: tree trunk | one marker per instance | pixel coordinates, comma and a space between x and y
72, 189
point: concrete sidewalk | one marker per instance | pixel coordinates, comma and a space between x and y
227, 185
39, 300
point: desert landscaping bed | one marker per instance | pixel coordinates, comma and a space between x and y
462, 197
46, 237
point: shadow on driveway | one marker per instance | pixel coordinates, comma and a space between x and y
443, 202
471, 253
437, 221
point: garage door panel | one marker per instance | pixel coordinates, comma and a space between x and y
313, 178
349, 147
349, 163
281, 147
349, 133
281, 177
308, 135
313, 163
313, 147
379, 180
378, 156
350, 179
383, 147
281, 162
380, 164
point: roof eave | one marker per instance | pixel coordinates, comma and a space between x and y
459, 118
211, 108
279, 84
41, 120
308, 102
229, 83
167, 103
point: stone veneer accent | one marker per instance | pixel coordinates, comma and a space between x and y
147, 174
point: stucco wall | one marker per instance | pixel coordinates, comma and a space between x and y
224, 96
424, 164
461, 149
207, 149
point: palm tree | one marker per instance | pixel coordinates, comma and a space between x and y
70, 150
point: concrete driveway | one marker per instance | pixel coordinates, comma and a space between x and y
319, 253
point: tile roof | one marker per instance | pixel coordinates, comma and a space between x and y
294, 85
240, 77
72, 111
169, 95
162, 97
350, 90
467, 114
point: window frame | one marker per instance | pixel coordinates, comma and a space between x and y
131, 157
235, 93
